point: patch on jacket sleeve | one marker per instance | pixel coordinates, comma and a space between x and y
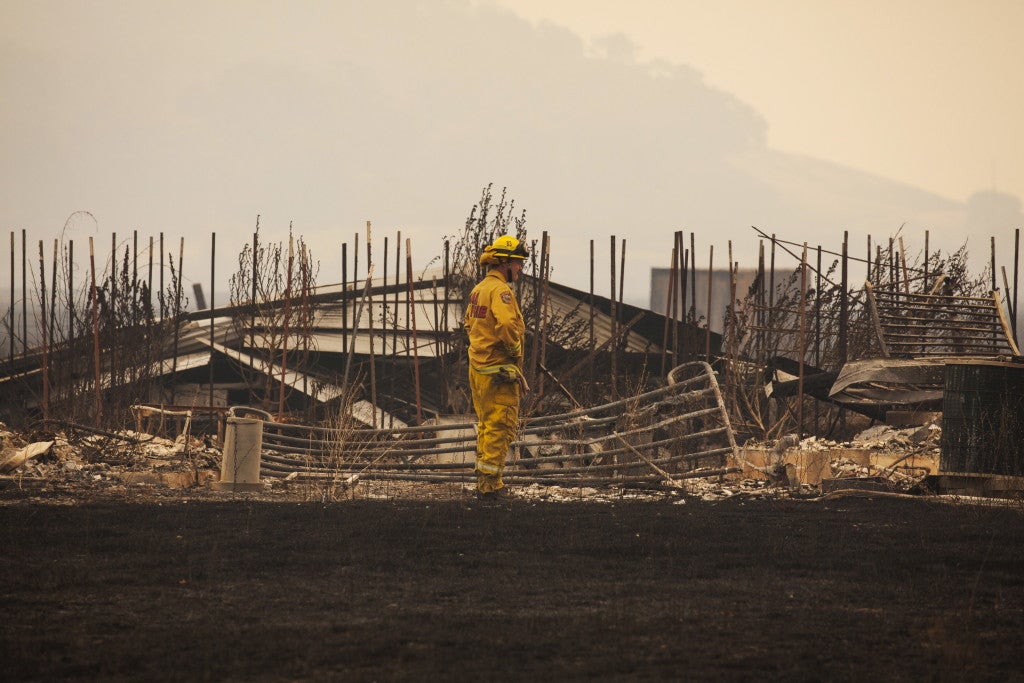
506, 298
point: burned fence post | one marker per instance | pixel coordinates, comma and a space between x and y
817, 334
677, 296
844, 301
684, 273
444, 311
53, 301
392, 375
24, 296
771, 287
545, 273
844, 314
149, 286
42, 298
669, 309
95, 335
614, 321
398, 282
344, 297
177, 316
590, 315
11, 327
135, 279
412, 313
992, 263
693, 287
213, 305
803, 343
707, 326
924, 284
114, 327
163, 311
370, 328
1016, 271
870, 256
902, 266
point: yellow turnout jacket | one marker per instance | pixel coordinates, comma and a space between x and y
494, 323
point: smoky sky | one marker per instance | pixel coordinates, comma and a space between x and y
190, 117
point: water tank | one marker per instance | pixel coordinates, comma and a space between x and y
983, 418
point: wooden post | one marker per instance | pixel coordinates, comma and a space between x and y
817, 333
844, 315
344, 297
306, 316
707, 330
733, 268
871, 256
1016, 271
669, 309
177, 320
24, 296
545, 292
135, 280
803, 344
436, 326
370, 329
844, 302
677, 266
771, 284
97, 378
684, 344
412, 313
614, 320
447, 295
42, 300
149, 280
392, 374
398, 280
924, 284
115, 326
213, 305
13, 321
994, 285
593, 341
71, 293
761, 318
903, 266
161, 298
53, 300
693, 284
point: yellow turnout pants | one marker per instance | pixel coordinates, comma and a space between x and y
497, 413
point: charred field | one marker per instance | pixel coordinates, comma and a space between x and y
180, 588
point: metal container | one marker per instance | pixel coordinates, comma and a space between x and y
983, 418
240, 467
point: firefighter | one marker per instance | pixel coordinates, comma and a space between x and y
496, 330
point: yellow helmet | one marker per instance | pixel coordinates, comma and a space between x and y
504, 246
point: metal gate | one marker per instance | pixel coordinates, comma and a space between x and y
674, 432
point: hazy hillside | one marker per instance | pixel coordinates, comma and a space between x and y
187, 118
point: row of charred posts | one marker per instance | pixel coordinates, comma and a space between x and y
805, 345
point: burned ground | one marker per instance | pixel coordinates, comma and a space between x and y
188, 587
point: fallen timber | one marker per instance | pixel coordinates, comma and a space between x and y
659, 437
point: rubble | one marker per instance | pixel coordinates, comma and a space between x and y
23, 455
136, 461
93, 460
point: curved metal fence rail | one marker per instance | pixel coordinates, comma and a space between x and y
674, 432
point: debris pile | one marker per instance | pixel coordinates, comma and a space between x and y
124, 458
128, 460
924, 439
